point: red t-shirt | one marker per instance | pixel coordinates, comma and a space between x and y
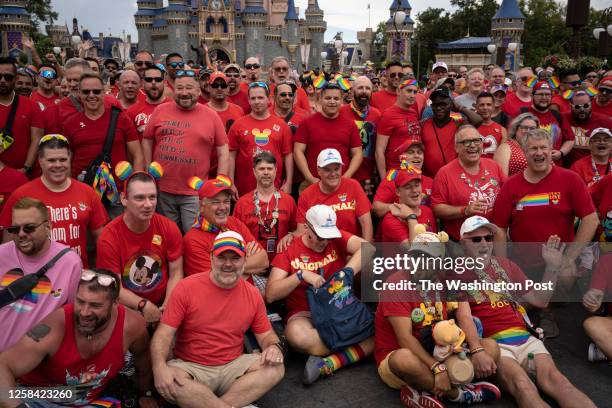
454, 186
387, 191
241, 99
299, 257
367, 128
349, 202
584, 168
140, 113
197, 245
301, 98
230, 115
562, 103
512, 105
533, 212
400, 125
383, 100
318, 132
141, 260
87, 136
560, 132
249, 136
10, 180
43, 101
392, 229
182, 144
211, 321
602, 278
582, 133
72, 212
492, 134
57, 115
602, 197
602, 110
267, 237
439, 143
27, 116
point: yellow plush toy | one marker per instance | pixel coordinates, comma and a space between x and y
449, 340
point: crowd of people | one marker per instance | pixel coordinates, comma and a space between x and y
204, 207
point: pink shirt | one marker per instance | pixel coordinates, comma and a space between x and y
57, 288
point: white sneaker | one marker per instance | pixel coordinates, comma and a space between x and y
595, 354
250, 406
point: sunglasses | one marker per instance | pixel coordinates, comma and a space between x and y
48, 74
252, 66
285, 94
375, 82
185, 73
487, 238
218, 85
48, 138
469, 142
7, 76
584, 106
105, 280
153, 79
543, 94
27, 229
396, 75
574, 83
91, 91
258, 84
176, 65
232, 75
453, 76
525, 78
527, 128
605, 91
143, 63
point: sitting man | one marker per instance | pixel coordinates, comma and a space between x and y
210, 313
81, 345
504, 319
308, 261
215, 201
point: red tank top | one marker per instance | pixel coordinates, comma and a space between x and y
517, 161
67, 367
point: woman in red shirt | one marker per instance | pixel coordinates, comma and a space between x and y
509, 155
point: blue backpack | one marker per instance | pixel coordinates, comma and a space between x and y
339, 317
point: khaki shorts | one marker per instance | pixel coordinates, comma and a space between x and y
218, 379
519, 353
387, 375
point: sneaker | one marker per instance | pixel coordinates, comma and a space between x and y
250, 406
314, 368
595, 354
479, 392
549, 325
412, 398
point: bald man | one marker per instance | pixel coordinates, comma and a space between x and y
366, 119
129, 89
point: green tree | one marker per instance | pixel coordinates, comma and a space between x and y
545, 32
434, 26
41, 12
380, 43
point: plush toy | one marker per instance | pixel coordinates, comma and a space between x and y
449, 349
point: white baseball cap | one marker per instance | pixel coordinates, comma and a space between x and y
323, 221
475, 222
439, 64
329, 156
602, 130
429, 243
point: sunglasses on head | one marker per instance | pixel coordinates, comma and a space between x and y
177, 64
7, 76
28, 228
218, 85
285, 94
258, 84
105, 280
583, 106
252, 66
153, 79
143, 63
47, 74
185, 73
487, 238
48, 138
91, 91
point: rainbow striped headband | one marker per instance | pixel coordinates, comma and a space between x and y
228, 243
409, 82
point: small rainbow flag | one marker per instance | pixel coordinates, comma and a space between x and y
534, 200
195, 183
591, 91
513, 336
567, 95
106, 402
319, 82
531, 81
392, 175
344, 84
456, 116
554, 82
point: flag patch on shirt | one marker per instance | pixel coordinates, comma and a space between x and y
534, 200
157, 239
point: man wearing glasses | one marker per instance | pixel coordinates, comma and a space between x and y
280, 70
45, 94
30, 248
82, 345
602, 103
467, 185
174, 63
153, 87
252, 67
229, 112
386, 97
522, 97
284, 107
236, 94
143, 60
569, 81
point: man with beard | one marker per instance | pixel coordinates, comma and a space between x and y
522, 97
210, 313
76, 210
256, 132
569, 81
24, 82
45, 94
594, 167
284, 108
142, 234
143, 60
82, 344
180, 136
551, 121
204, 81
280, 70
111, 68
29, 250
153, 87
236, 94
386, 97
602, 103
129, 89
174, 63
213, 217
366, 119
583, 120
475, 85
219, 90
19, 145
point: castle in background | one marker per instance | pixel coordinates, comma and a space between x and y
233, 30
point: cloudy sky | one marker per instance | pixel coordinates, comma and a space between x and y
348, 16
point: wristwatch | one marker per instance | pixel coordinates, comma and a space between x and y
27, 169
300, 275
411, 217
439, 368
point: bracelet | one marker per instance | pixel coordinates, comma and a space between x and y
282, 347
300, 275
476, 350
434, 365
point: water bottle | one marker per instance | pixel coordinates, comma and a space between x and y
531, 367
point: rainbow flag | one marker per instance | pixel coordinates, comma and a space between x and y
567, 95
344, 84
535, 200
409, 82
591, 91
392, 175
319, 81
554, 82
531, 82
195, 183
513, 337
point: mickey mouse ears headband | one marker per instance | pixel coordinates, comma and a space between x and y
211, 187
125, 172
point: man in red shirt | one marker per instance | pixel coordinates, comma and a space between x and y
327, 129
521, 97
153, 87
256, 132
284, 106
397, 124
569, 81
274, 229
280, 70
27, 127
583, 120
143, 248
45, 94
345, 196
143, 60
467, 185
228, 112
252, 67
214, 217
602, 103
493, 133
180, 136
386, 97
210, 313
204, 82
129, 89
173, 63
75, 210
310, 259
593, 168
236, 94
82, 344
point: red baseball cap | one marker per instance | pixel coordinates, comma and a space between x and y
405, 176
542, 85
217, 75
406, 145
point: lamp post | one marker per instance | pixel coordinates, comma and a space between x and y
323, 58
604, 34
492, 48
337, 46
399, 19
